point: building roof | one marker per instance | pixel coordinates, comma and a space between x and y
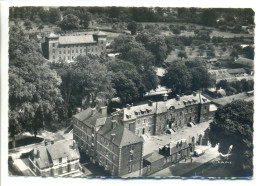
212, 107
163, 106
159, 71
100, 33
245, 61
119, 135
81, 39
153, 157
229, 99
96, 119
236, 71
50, 152
186, 101
52, 35
222, 92
134, 110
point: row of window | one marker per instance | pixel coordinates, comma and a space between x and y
71, 46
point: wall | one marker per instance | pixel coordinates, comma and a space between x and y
126, 165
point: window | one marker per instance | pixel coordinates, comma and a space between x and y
77, 51
53, 44
144, 120
129, 168
131, 157
138, 121
60, 160
68, 51
96, 49
101, 42
72, 51
190, 109
132, 147
205, 107
68, 57
102, 48
80, 50
72, 57
84, 50
64, 52
101, 139
59, 52
53, 57
92, 49
180, 113
53, 51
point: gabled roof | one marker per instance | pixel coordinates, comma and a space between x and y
97, 119
153, 156
82, 39
236, 71
121, 135
60, 149
100, 33
245, 61
52, 35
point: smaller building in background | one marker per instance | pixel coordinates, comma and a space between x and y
59, 158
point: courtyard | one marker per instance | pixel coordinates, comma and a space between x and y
152, 143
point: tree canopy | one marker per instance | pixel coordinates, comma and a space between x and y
69, 22
233, 125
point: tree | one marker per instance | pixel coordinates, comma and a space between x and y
201, 78
54, 15
132, 26
178, 78
182, 54
70, 22
211, 53
249, 52
41, 27
87, 81
176, 31
157, 46
234, 54
209, 17
127, 82
34, 96
233, 125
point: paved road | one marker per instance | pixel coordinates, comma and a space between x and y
183, 167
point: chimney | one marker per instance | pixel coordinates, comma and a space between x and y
52, 141
128, 106
113, 124
74, 144
45, 143
165, 97
104, 111
93, 111
113, 136
194, 93
115, 117
150, 103
38, 154
178, 97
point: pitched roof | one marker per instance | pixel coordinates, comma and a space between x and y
100, 33
121, 135
153, 156
59, 149
97, 119
245, 61
186, 101
52, 35
237, 70
132, 111
82, 39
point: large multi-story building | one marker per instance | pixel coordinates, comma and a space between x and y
67, 48
60, 158
115, 142
156, 117
107, 143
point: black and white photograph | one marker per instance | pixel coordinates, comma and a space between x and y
131, 92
